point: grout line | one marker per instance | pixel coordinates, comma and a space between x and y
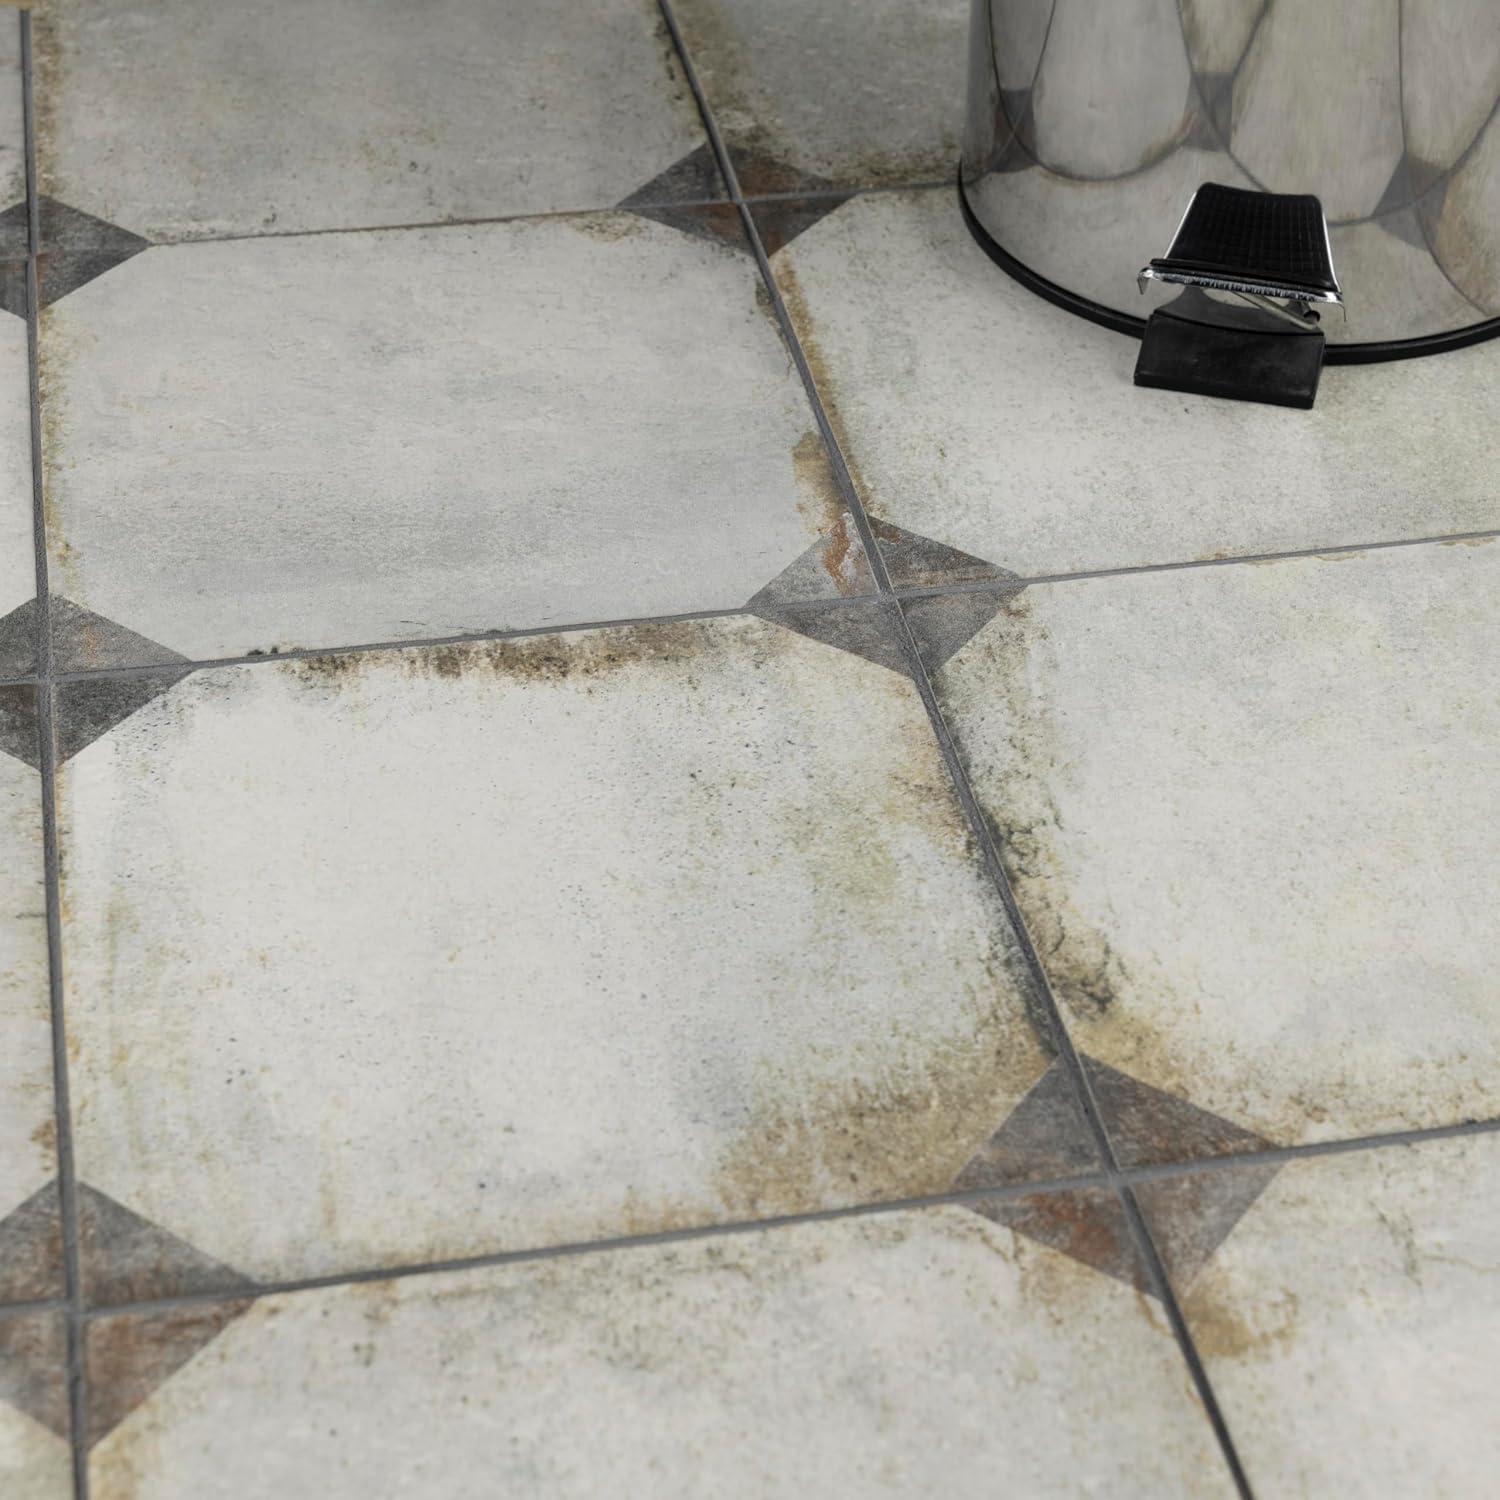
1004, 1193
968, 1197
1052, 1018
422, 643
33, 1307
1006, 585
1244, 559
67, 1180
922, 184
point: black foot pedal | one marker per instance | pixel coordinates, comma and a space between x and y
1271, 251
1213, 348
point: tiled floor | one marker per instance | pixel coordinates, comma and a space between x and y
602, 945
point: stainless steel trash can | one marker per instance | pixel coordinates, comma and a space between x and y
1091, 122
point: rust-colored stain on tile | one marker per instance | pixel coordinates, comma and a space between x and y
587, 655
822, 505
1086, 1224
131, 1354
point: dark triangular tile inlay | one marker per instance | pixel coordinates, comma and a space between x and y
131, 1355
1192, 1215
18, 632
677, 198
31, 1249
125, 1258
861, 629
918, 562
18, 724
85, 642
75, 248
1087, 1224
693, 178
89, 707
1149, 1126
834, 567
1044, 1136
780, 220
33, 1368
718, 223
943, 624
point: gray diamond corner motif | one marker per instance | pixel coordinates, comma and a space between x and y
123, 1257
75, 248
87, 707
682, 198
1190, 1215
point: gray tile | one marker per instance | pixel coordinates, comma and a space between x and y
866, 1357
700, 924
1044, 1136
1087, 1225
978, 415
425, 433
855, 94
1349, 1324
35, 1460
243, 119
1257, 866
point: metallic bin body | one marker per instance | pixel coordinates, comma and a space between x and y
1091, 122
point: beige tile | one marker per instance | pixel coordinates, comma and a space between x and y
910, 1354
1249, 812
1349, 1324
980, 416
396, 956
177, 121
427, 433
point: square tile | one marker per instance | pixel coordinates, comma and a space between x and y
905, 1354
1349, 1323
1249, 816
829, 93
36, 1461
978, 415
396, 956
30, 1250
177, 121
341, 439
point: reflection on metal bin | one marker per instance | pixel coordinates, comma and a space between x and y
1090, 125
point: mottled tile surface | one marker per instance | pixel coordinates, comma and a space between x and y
428, 433
654, 926
978, 415
1258, 861
852, 94
905, 1355
35, 1461
29, 1250
177, 121
1349, 1324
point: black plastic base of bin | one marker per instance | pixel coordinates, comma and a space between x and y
1240, 355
